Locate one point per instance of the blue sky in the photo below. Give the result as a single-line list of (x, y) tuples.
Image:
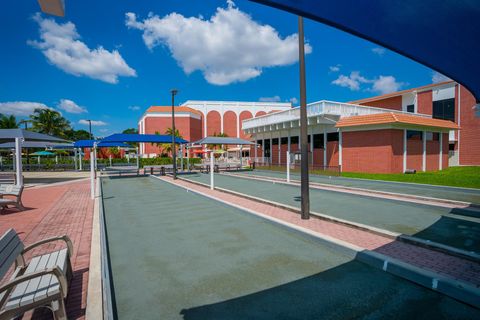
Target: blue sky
[(109, 60)]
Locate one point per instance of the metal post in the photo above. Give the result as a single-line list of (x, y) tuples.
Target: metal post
[(38, 159), (241, 156), (424, 153), (80, 159), (440, 160), (138, 160), (18, 160), (56, 159), (174, 92), (75, 158), (212, 181), (305, 196), (181, 159), (404, 150), (188, 158), (110, 159), (92, 173), (288, 166)]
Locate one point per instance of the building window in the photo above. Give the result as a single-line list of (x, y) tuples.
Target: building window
[(451, 147), (414, 135), (275, 141), (411, 108), (318, 141), (332, 136), (433, 136), (284, 140), (444, 109), (294, 140), (259, 142)]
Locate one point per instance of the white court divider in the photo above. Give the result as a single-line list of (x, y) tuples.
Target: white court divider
[(288, 166), (212, 179)]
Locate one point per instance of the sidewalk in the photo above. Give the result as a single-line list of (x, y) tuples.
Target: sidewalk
[(447, 265), (57, 210)]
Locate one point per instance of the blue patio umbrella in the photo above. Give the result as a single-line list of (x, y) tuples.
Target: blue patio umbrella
[(43, 153)]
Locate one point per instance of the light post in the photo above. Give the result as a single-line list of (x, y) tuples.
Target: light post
[(174, 156), (304, 188), (90, 128)]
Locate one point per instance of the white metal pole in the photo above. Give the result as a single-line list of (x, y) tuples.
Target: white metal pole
[(138, 160), (324, 147), (424, 153), (110, 159), (38, 159), (340, 149), (56, 159), (404, 150), (75, 158), (92, 172), (440, 154), (212, 182), (18, 160), (288, 166), (241, 156), (80, 165), (188, 158), (181, 158), (95, 157)]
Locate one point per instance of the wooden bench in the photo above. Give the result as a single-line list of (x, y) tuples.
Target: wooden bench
[(43, 282), (14, 191)]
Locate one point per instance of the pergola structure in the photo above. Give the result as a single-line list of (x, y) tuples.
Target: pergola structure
[(220, 141), (19, 137)]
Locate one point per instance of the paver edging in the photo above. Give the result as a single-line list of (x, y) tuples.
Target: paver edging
[(456, 289), (378, 231)]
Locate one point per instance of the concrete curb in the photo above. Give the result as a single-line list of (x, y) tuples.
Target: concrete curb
[(94, 291), (453, 288), (382, 232), (446, 203)]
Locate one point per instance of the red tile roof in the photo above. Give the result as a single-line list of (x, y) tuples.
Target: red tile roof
[(169, 109), (390, 118)]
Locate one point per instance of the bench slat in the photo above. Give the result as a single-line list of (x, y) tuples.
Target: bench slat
[(33, 284), (18, 292), (10, 247), (47, 279), (62, 263)]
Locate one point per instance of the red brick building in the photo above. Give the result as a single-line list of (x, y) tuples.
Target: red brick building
[(411, 129)]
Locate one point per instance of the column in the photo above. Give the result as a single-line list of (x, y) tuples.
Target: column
[(221, 121), (279, 147), (289, 140), (325, 147), (205, 124), (404, 150), (18, 161), (256, 148), (340, 149), (238, 125), (271, 149), (424, 154), (263, 150), (440, 153)]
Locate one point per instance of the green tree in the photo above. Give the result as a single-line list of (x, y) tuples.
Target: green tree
[(75, 135), (8, 122), (130, 131), (167, 147), (50, 122), (215, 146)]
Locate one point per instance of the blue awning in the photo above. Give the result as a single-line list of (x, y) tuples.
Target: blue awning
[(100, 144), (135, 138), (440, 34)]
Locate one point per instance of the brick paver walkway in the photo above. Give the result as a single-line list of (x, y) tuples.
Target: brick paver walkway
[(52, 211), (447, 265)]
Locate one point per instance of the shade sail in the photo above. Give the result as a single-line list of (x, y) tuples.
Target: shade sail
[(9, 135), (441, 34), (135, 138), (222, 140), (100, 144)]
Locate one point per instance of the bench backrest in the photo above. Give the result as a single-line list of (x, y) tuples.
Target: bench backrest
[(8, 178), (10, 248), (11, 189)]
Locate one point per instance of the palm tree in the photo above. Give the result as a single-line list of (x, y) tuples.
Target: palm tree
[(49, 122), (8, 122), (167, 147)]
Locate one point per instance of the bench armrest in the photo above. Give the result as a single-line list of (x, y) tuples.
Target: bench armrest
[(64, 238), (55, 271)]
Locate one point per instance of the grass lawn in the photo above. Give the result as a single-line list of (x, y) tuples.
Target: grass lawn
[(468, 177)]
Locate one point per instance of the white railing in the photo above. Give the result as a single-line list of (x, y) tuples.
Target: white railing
[(317, 109)]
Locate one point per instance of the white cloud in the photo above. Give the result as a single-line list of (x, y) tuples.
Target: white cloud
[(61, 46), (104, 130), (95, 123), (379, 51), (21, 108), (353, 81), (381, 84), (293, 100), (229, 47), (270, 99), (438, 77), (386, 84), (335, 68), (134, 108), (70, 106)]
